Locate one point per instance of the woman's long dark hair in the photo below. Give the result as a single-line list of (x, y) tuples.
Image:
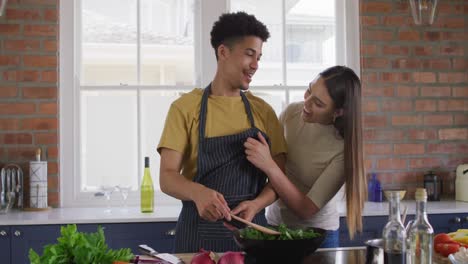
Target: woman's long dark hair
[(344, 88)]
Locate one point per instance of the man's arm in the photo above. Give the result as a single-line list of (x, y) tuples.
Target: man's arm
[(210, 204)]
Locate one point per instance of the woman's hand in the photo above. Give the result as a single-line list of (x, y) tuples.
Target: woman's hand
[(258, 153), (246, 210)]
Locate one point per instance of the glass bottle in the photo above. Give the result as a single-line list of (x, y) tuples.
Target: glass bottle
[(420, 233), (394, 234), (147, 190)]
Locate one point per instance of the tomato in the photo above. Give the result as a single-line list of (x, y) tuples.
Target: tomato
[(446, 249), (442, 238)]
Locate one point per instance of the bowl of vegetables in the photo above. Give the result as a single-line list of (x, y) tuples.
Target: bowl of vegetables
[(291, 246)]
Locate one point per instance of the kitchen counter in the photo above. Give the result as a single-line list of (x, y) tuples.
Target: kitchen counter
[(171, 213)]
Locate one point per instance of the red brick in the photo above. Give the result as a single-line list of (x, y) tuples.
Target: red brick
[(402, 7), (437, 64), (40, 30), (447, 148), (23, 153), (21, 76), (392, 77), (40, 2), (369, 106), (50, 45), (49, 76), (425, 105), (384, 135), (407, 91), (406, 178), (422, 134), (52, 152), (53, 199), (368, 78), (408, 35), (461, 119), (22, 45), (444, 8), (395, 20), (450, 22), (368, 49), (376, 7), (395, 50), (421, 163), (453, 77), (50, 15), (432, 36), (434, 91), (46, 139), (375, 121), (422, 51), (460, 64), (454, 36), (375, 63), (391, 164), (452, 51), (438, 120), (9, 29), (377, 149), (40, 92), (369, 20), (453, 105), (9, 124), (455, 161), (48, 108), (377, 34), (424, 77), (405, 120), (457, 91), (52, 167), (453, 134), (8, 91), (40, 124), (378, 91), (406, 64), (53, 183), (397, 106), (8, 60), (40, 61), (23, 14), (408, 149), (458, 9), (15, 108), (17, 139), (368, 164)]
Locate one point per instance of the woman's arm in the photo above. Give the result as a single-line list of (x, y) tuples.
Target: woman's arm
[(258, 153)]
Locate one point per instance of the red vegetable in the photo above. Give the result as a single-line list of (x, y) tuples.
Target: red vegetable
[(231, 257), (203, 257), (446, 249)]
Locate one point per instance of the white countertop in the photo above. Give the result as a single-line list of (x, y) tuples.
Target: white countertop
[(171, 213)]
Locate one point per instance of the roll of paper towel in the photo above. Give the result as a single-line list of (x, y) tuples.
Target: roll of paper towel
[(38, 184)]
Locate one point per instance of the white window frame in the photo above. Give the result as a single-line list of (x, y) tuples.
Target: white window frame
[(347, 33)]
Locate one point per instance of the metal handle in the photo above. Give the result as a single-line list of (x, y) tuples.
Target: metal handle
[(17, 233), (457, 220), (466, 219), (3, 233), (170, 232)]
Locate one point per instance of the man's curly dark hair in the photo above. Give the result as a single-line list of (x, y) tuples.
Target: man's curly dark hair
[(231, 27)]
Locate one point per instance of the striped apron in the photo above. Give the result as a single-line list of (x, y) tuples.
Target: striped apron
[(222, 166)]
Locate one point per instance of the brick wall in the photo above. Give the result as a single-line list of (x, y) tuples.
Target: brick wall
[(415, 86), (28, 86)]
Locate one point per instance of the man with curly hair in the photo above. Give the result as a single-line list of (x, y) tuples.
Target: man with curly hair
[(202, 155)]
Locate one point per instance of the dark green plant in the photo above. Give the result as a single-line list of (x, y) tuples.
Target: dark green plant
[(75, 247), (286, 233)]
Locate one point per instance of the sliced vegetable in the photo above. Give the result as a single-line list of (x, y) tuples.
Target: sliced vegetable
[(231, 257), (446, 249)]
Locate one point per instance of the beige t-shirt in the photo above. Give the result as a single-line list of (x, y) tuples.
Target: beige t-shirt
[(225, 116), (315, 165)]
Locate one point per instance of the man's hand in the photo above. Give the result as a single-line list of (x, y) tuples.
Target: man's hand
[(246, 210), (211, 205), (258, 153)]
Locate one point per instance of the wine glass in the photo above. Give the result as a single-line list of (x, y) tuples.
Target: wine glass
[(107, 190), (124, 190)]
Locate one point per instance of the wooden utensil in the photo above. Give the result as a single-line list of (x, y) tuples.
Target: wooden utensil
[(255, 226)]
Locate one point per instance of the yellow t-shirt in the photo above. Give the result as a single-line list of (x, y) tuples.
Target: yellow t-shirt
[(225, 116)]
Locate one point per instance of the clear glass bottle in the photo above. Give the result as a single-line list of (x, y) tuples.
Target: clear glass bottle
[(420, 233), (394, 234), (147, 190)]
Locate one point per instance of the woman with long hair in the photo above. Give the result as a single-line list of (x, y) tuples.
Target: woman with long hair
[(324, 139)]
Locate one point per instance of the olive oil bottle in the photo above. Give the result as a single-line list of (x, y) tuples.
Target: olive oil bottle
[(147, 190)]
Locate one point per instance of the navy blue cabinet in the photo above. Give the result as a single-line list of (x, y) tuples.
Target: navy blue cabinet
[(16, 241)]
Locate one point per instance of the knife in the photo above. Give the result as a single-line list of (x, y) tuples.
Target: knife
[(145, 249)]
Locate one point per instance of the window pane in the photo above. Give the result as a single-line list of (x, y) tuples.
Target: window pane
[(297, 95), (270, 71), (108, 42), (310, 39), (167, 51), (275, 98), (108, 138), (155, 105)]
